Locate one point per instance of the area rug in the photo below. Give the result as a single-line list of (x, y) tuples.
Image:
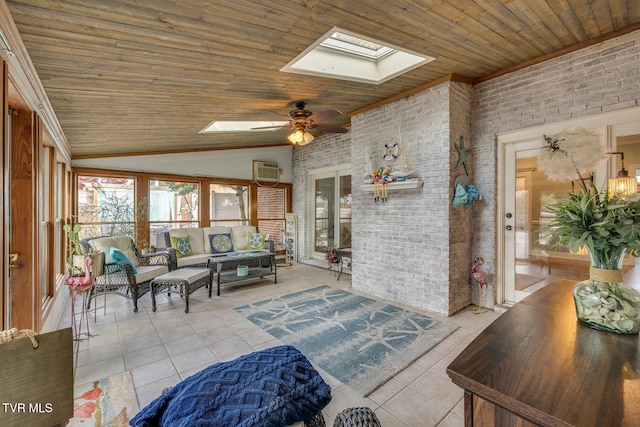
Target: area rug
[(107, 402), (358, 340)]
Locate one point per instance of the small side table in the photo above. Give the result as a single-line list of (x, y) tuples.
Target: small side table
[(344, 253), (183, 280)]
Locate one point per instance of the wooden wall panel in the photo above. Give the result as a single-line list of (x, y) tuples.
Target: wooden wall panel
[(4, 221), (23, 233)]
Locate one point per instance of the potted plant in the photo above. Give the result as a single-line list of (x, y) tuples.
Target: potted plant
[(608, 226), (332, 256), (76, 259)]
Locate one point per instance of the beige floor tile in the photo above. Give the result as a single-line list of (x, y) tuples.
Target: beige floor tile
[(145, 356), (415, 409), (193, 358), (438, 388), (152, 372), (147, 393), (98, 370), (184, 344)]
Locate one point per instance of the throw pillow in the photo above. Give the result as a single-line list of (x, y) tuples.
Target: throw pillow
[(256, 240), (221, 243), (118, 256), (182, 245)]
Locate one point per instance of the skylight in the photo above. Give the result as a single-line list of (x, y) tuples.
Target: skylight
[(242, 126), (345, 55)]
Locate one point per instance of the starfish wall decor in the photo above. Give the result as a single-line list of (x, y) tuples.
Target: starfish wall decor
[(462, 156)]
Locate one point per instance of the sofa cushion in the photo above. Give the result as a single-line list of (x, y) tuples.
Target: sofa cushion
[(256, 240), (119, 256), (148, 272), (182, 245), (196, 238), (195, 259), (221, 243), (123, 243), (240, 235)]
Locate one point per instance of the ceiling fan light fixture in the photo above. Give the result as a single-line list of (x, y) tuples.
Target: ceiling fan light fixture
[(300, 137)]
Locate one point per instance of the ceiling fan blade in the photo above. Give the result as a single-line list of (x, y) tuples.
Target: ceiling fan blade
[(329, 128), (324, 116), (270, 127)]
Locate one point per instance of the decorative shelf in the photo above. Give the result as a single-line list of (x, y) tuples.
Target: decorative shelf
[(398, 185)]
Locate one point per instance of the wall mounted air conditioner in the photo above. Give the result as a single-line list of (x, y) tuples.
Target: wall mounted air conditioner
[(266, 171)]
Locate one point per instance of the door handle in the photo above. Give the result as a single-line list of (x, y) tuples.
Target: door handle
[(13, 260)]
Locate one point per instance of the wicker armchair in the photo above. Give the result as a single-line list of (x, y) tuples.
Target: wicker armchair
[(119, 276)]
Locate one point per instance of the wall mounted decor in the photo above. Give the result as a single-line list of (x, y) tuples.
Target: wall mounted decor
[(462, 156)]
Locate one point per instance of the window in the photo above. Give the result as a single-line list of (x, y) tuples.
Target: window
[(172, 204), (229, 205), (271, 213), (106, 206), (330, 201)]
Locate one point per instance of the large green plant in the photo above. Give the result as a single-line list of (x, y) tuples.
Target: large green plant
[(599, 221)]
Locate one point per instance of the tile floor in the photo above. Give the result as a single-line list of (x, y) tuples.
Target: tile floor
[(162, 348)]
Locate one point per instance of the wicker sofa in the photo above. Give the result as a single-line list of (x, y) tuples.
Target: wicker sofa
[(212, 241), (126, 272)]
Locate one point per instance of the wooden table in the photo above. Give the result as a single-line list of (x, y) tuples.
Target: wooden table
[(536, 365), (261, 263)]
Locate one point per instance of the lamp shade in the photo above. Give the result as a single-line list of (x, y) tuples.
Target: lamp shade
[(623, 185), (300, 137)]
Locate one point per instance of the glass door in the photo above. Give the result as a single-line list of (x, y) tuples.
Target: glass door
[(330, 209)]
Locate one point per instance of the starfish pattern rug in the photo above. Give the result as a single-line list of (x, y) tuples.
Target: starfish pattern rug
[(360, 341)]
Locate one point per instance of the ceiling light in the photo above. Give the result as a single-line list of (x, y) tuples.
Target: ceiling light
[(237, 126), (623, 184), (300, 137)]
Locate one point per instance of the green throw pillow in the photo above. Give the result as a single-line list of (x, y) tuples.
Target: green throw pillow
[(182, 245), (256, 240)]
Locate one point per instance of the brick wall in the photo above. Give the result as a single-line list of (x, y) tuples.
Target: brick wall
[(416, 249), (598, 79)]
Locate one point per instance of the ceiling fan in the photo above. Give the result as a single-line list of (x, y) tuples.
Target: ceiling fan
[(301, 121)]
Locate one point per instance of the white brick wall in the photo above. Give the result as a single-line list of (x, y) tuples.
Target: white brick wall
[(598, 79), (401, 247), (415, 249)]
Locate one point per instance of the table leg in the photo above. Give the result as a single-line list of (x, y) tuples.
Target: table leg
[(275, 269), (186, 290), (219, 267), (153, 296)]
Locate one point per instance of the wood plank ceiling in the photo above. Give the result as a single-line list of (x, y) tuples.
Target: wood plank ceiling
[(131, 76)]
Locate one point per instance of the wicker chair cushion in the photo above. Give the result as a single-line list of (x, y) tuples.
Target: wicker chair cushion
[(240, 235), (123, 243), (148, 272), (269, 388)]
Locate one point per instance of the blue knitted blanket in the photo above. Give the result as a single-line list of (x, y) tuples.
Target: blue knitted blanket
[(269, 388)]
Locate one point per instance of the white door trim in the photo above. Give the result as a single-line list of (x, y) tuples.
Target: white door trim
[(617, 123)]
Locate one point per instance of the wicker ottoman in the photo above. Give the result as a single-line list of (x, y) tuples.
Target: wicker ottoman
[(183, 280)]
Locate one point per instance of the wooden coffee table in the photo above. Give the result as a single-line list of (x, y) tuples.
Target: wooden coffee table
[(261, 263)]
